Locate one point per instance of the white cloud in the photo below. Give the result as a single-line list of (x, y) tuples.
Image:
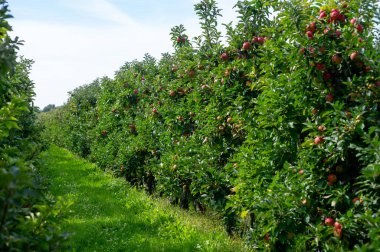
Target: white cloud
[(67, 56), (101, 9)]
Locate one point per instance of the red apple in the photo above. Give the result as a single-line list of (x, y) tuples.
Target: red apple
[(312, 27), (246, 45), (336, 59), (320, 66), (267, 237), (172, 93), (337, 225), (338, 33), (342, 18), (301, 172), (329, 221), (322, 14), (224, 56), (332, 178), (261, 40), (154, 110), (319, 139), (353, 55), (353, 21), (334, 14), (309, 34), (255, 40), (321, 128), (359, 28), (326, 76), (136, 91), (329, 97), (338, 230)]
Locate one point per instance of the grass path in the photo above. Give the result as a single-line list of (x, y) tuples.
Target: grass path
[(107, 215)]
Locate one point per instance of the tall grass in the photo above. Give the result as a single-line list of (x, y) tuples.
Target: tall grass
[(108, 215)]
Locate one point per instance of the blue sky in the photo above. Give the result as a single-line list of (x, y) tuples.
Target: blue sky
[(75, 41)]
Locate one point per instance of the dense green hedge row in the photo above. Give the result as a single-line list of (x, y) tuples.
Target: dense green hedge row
[(26, 217), (278, 131)]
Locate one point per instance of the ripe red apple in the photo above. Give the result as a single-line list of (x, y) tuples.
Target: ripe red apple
[(359, 28), (353, 55), (224, 56), (154, 110), (329, 97), (301, 51), (332, 178), (172, 93), (267, 237), (353, 21), (301, 172), (312, 27), (309, 34), (338, 230), (334, 14), (320, 66), (338, 233), (326, 76), (338, 33), (336, 59), (261, 40), (329, 221), (246, 45), (342, 18), (136, 91), (255, 40), (321, 128), (319, 139), (322, 14), (337, 225), (360, 40)]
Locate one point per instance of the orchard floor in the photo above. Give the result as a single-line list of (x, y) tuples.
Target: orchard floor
[(104, 214)]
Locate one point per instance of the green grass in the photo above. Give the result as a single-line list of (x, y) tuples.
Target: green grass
[(108, 215)]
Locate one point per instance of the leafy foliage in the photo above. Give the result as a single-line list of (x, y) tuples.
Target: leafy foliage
[(26, 217)]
